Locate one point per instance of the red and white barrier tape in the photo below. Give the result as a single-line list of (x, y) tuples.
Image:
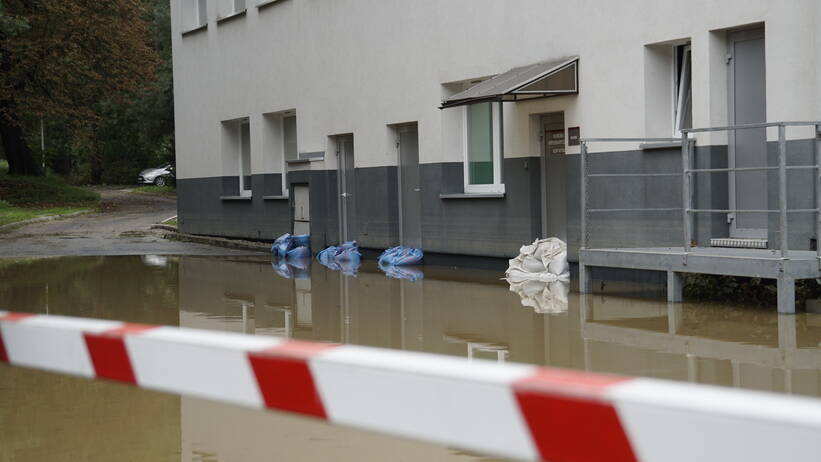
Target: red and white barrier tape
[(515, 411)]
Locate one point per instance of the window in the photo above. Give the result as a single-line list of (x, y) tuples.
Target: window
[(483, 148), (236, 157), (195, 14), (244, 158), (682, 89), (238, 6), (289, 147), (279, 143), (202, 12)]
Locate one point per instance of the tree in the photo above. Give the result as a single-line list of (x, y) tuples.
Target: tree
[(59, 59)]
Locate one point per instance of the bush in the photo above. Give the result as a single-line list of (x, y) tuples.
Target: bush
[(746, 291), (40, 192)]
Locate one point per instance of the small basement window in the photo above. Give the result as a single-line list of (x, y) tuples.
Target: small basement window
[(682, 89), (483, 148)]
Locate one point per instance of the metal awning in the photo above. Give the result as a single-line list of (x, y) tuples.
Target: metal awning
[(538, 80)]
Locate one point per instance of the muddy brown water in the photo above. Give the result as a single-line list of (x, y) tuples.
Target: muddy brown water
[(459, 312)]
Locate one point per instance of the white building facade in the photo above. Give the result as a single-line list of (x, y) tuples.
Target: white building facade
[(326, 116)]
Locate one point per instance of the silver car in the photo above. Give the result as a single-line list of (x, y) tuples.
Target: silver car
[(158, 176)]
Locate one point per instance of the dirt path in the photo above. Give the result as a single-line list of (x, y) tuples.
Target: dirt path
[(122, 228)]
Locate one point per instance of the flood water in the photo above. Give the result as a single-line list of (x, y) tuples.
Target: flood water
[(460, 312)]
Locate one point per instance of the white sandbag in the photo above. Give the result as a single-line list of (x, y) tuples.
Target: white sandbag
[(540, 275), (544, 260)]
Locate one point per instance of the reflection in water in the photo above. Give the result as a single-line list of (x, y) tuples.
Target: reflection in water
[(543, 297), (462, 312), (410, 273)]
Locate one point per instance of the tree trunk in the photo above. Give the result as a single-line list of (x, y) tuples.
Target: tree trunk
[(19, 155)]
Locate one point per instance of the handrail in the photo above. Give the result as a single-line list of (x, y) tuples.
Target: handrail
[(687, 172), (750, 126)]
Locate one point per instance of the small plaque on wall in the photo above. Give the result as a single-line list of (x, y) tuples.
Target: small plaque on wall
[(573, 136), (555, 141)]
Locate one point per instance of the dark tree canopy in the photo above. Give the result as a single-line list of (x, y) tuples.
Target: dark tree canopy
[(60, 59)]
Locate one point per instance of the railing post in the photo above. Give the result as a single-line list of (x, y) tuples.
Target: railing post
[(782, 189), (584, 186), (818, 193), (685, 190)]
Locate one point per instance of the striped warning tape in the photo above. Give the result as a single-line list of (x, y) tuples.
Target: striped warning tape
[(509, 410)]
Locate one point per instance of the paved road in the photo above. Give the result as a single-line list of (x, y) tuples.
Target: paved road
[(122, 228)]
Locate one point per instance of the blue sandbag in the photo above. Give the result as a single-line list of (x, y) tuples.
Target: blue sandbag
[(348, 254), (299, 252), (400, 256), (402, 272), (283, 244), (345, 258), (302, 240), (288, 242), (349, 251), (328, 256)]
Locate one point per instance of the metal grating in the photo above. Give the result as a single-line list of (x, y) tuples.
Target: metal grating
[(737, 243)]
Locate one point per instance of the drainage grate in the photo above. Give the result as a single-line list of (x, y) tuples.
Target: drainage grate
[(739, 243)]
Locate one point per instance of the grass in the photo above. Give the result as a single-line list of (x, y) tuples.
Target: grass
[(151, 190), (25, 197), (170, 222), (10, 214)]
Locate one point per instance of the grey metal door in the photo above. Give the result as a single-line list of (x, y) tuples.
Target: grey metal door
[(347, 187), (554, 176), (302, 210), (747, 92), (410, 228)]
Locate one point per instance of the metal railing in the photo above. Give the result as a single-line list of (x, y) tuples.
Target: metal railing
[(688, 210)]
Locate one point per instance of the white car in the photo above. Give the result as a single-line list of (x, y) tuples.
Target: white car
[(158, 176)]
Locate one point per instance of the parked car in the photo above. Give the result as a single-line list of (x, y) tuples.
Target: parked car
[(159, 176)]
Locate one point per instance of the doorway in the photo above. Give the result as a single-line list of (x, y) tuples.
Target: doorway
[(552, 134), (410, 201), (302, 209), (347, 186), (747, 91)]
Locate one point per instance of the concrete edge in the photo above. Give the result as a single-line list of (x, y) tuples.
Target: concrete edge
[(163, 227), (43, 219), (175, 235)]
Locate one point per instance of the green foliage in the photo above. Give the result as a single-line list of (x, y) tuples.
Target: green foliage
[(744, 291), (43, 192), (10, 214), (107, 108), (168, 191)]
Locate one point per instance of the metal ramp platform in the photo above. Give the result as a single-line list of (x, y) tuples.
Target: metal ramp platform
[(767, 264), (736, 257)]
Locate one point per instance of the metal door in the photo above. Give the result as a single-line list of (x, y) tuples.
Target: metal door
[(410, 201), (347, 183), (302, 210), (747, 148), (554, 182)]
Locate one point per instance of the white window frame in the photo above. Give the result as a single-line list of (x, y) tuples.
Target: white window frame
[(678, 83), (285, 189), (496, 121), (242, 191)]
